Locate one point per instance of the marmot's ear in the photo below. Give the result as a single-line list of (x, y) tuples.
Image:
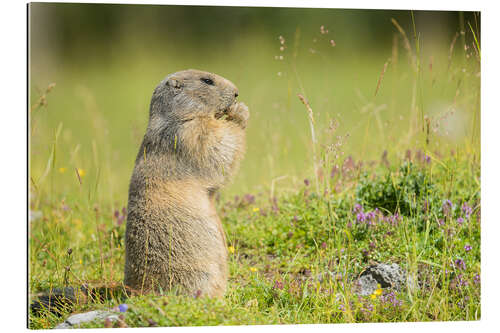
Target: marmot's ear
[(174, 83)]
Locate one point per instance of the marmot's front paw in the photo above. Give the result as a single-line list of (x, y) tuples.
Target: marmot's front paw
[(238, 112)]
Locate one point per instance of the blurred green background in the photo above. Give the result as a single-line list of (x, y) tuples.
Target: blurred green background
[(106, 60)]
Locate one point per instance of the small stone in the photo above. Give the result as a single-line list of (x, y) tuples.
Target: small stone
[(388, 276), (35, 215), (85, 317)]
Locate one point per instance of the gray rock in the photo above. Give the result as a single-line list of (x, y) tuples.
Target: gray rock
[(86, 317), (388, 276), (35, 215)]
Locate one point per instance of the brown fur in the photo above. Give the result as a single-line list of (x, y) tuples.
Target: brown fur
[(192, 146)]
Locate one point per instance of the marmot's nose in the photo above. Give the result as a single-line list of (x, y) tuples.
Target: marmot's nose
[(236, 94)]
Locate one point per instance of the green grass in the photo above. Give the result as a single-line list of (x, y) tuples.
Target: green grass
[(283, 233)]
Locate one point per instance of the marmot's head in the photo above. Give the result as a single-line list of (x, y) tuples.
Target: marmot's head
[(184, 94)]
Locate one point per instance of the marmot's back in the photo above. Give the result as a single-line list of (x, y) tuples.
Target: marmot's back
[(193, 144)]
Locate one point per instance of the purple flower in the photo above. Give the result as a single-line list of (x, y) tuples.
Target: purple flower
[(278, 285), (460, 282), (342, 307), (360, 217), (460, 264), (390, 298), (460, 220), (466, 209), (323, 245), (123, 307), (467, 248), (447, 207), (370, 217), (393, 219), (120, 218), (358, 208), (306, 181), (477, 279), (249, 199)]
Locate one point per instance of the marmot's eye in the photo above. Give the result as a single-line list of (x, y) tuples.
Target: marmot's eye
[(208, 81)]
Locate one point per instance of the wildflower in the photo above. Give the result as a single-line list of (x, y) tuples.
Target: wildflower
[(306, 181), (466, 209), (367, 309), (459, 263), (477, 279), (249, 199), (377, 292), (467, 248), (370, 218), (394, 219), (358, 208), (460, 220), (447, 207), (360, 217), (253, 269), (278, 285), (391, 299), (460, 282), (341, 307), (231, 249), (62, 170), (123, 307), (120, 218), (332, 43), (323, 245), (256, 209), (81, 172)]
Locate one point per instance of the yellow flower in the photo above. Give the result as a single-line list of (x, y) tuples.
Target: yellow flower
[(231, 249), (81, 172), (256, 209), (377, 292), (253, 269), (62, 170)]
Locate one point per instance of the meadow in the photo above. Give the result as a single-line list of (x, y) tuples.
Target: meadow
[(352, 159)]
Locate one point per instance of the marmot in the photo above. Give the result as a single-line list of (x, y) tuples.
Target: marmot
[(193, 144)]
